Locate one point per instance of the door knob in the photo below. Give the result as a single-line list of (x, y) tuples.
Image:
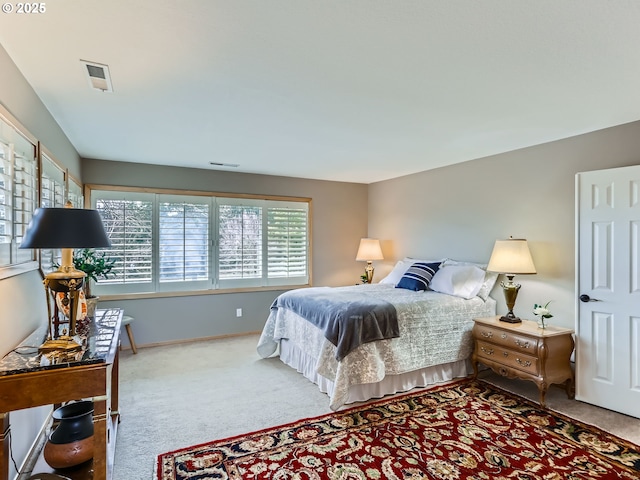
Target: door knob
[(586, 298)]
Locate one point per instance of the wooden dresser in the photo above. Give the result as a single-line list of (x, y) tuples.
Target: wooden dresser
[(522, 350)]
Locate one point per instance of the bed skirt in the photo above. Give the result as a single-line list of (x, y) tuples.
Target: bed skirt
[(291, 355)]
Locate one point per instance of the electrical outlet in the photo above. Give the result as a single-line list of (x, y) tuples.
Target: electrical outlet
[(238, 312)]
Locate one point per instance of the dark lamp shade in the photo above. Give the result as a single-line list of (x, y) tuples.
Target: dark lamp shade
[(65, 228)]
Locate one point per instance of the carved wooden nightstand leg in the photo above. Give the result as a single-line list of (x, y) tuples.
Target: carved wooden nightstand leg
[(570, 387), (543, 393)]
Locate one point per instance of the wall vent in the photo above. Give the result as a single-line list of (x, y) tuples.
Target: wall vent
[(98, 75)]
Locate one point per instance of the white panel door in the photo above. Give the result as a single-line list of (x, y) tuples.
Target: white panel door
[(608, 285)]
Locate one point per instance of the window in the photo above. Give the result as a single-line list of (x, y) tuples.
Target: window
[(128, 222), (52, 188), (18, 189), (240, 239), (74, 193), (52, 183), (183, 247), (167, 242), (287, 241)]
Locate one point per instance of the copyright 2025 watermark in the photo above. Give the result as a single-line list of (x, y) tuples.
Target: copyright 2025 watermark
[(24, 8)]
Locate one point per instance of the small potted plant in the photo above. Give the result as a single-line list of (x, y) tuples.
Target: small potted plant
[(542, 312), (96, 265)]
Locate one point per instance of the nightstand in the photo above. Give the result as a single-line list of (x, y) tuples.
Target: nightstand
[(522, 350)]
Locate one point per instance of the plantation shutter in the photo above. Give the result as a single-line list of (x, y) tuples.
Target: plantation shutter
[(287, 241), (52, 185), (74, 195), (165, 242), (183, 240), (6, 210), (18, 192), (24, 196), (239, 241), (129, 226)]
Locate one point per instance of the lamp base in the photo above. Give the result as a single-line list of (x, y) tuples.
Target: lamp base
[(63, 343), (510, 291), (368, 271), (510, 318)]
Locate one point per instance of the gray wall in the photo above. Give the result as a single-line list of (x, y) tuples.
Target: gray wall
[(339, 216), (459, 211), (22, 301), (23, 103)]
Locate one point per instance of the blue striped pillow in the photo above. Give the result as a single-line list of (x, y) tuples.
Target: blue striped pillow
[(418, 276)]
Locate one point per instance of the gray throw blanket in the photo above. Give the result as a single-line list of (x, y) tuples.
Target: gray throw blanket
[(348, 319)]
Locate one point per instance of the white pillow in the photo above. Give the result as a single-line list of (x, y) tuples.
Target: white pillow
[(459, 280), (412, 260), (396, 274), (489, 277)]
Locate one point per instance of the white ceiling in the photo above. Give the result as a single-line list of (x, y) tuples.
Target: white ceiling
[(357, 90)]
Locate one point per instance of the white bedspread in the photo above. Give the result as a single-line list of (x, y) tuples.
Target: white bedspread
[(434, 329)]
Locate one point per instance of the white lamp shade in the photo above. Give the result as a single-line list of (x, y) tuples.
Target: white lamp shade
[(511, 256), (369, 250)]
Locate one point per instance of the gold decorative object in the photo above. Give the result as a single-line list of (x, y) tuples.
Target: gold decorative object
[(66, 228)]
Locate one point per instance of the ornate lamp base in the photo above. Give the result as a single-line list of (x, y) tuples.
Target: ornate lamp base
[(510, 290), (368, 270), (64, 343)]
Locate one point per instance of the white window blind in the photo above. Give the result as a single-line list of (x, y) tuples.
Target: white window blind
[(74, 194), (52, 186), (240, 241), (287, 241), (6, 211), (24, 199), (183, 240), (128, 223), (196, 242), (18, 193)]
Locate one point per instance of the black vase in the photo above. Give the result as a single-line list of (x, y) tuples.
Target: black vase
[(71, 443)]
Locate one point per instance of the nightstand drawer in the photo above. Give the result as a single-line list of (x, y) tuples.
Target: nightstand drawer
[(508, 339), (508, 357)]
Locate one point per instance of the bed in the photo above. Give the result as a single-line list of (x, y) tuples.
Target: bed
[(432, 343)]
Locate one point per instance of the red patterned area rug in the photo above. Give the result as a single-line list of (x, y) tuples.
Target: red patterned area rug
[(464, 430)]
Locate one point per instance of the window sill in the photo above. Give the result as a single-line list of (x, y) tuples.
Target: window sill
[(141, 296)]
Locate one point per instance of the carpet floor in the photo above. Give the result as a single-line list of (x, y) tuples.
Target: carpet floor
[(467, 429), (179, 395)]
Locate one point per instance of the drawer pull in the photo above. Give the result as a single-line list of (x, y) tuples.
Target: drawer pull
[(487, 334), (506, 354), (504, 335), (525, 363), (488, 351), (522, 344)]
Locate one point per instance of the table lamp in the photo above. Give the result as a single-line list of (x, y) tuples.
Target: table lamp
[(368, 251), (511, 257), (66, 228)]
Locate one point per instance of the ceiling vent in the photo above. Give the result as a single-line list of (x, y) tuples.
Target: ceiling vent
[(219, 164), (98, 74)]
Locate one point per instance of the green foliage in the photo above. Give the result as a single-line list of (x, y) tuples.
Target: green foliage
[(95, 264)]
